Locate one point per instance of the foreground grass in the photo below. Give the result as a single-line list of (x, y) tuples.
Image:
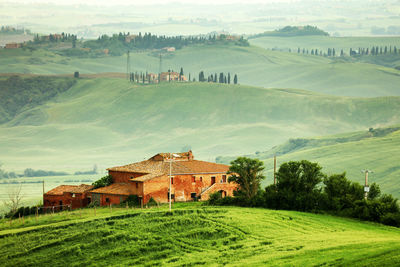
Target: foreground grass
[(198, 235)]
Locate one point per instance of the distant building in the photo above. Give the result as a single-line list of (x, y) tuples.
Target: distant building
[(169, 49), (67, 196), (12, 46), (54, 36), (172, 76), (129, 38)]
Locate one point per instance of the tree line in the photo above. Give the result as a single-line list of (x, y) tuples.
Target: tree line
[(302, 186), (29, 172), (360, 51), (215, 78), (119, 43), (54, 38)]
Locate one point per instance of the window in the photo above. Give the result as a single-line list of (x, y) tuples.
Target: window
[(201, 179), (172, 180), (193, 195), (224, 178), (193, 179), (73, 195), (107, 200), (137, 185)]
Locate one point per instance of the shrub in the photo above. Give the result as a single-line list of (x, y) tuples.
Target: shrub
[(214, 198), (392, 219), (132, 200), (152, 202)]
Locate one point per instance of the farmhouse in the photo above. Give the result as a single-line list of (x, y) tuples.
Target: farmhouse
[(12, 46), (169, 49), (191, 179), (73, 196), (172, 76)]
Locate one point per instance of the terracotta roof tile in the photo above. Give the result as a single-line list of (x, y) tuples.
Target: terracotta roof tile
[(59, 190), (115, 189)]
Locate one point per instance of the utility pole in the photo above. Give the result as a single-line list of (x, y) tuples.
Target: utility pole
[(366, 187), (170, 174), (274, 169), (128, 66), (160, 69)]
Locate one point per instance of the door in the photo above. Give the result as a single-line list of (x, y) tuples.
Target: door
[(212, 180)]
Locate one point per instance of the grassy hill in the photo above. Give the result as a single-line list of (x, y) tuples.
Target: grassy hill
[(195, 235), (110, 121), (254, 66), (376, 150), (324, 42)]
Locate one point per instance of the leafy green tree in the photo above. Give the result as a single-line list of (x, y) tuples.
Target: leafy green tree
[(340, 193), (102, 182), (248, 174), (297, 185), (374, 191)]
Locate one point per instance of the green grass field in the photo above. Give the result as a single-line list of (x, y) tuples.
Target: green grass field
[(350, 153), (111, 122), (196, 235), (254, 66)]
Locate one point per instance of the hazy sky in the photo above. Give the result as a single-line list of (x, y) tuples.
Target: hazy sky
[(146, 2)]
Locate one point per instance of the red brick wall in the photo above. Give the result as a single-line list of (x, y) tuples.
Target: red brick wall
[(79, 201), (183, 186), (227, 189), (113, 199), (123, 177)]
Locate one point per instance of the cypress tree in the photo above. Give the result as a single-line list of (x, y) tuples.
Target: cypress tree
[(221, 77), (181, 74), (235, 79), (229, 78)]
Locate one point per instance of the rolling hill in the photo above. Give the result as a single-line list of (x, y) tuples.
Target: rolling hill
[(254, 65), (376, 150), (195, 235), (110, 121)]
